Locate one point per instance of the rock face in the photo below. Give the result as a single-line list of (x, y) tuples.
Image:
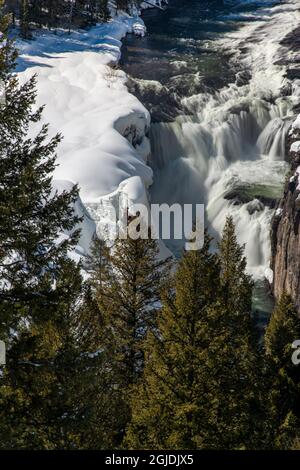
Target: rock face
[(286, 226)]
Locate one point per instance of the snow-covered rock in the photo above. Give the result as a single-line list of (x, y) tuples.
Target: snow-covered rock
[(298, 178), (296, 123), (153, 3), (295, 147), (295, 128), (86, 100), (269, 275), (87, 226)]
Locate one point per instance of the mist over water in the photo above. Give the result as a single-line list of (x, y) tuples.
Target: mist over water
[(224, 67)]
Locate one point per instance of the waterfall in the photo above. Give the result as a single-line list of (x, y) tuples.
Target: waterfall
[(228, 149), (223, 71), (228, 154)]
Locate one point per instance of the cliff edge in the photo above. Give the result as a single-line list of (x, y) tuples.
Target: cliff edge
[(286, 226)]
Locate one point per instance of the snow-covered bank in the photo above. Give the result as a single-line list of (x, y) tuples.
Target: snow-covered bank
[(103, 125)]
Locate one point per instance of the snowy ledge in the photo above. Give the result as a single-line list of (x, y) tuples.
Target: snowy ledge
[(86, 100)]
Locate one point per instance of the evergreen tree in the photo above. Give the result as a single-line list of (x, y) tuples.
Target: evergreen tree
[(12, 6), (58, 13), (24, 20), (126, 283), (284, 376), (236, 411), (236, 283), (53, 390), (200, 387), (31, 215), (58, 392), (170, 403)]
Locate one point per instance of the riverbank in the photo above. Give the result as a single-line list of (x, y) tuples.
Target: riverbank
[(104, 127)]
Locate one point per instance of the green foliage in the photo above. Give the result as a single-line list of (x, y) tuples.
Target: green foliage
[(200, 389), (24, 19), (236, 284), (57, 13), (126, 283), (167, 401), (54, 389), (284, 376)]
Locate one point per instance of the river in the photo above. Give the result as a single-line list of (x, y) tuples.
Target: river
[(213, 74)]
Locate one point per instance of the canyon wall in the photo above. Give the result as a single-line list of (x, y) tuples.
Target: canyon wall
[(286, 226)]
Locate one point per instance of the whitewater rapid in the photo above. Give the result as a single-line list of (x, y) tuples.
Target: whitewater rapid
[(228, 150)]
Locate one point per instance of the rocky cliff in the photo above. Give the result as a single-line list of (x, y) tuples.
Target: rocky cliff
[(286, 226)]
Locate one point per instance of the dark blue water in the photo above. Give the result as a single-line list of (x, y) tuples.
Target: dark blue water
[(185, 32)]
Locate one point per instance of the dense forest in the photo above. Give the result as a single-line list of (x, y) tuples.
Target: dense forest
[(143, 353), (61, 13)]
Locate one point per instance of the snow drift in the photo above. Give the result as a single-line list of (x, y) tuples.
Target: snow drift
[(104, 127)]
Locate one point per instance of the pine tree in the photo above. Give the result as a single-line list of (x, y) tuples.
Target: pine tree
[(236, 283), (126, 282), (53, 388), (65, 13), (32, 384), (236, 412), (8, 53), (24, 20), (31, 219), (100, 10), (284, 376), (31, 216), (169, 403), (58, 392), (96, 394), (128, 291), (200, 387), (57, 13)]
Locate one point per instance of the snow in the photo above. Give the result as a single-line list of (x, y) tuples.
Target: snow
[(298, 178), (295, 147), (269, 275), (88, 226), (296, 123), (153, 3), (107, 212), (103, 125)]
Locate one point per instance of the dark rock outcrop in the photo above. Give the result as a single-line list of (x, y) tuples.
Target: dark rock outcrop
[(286, 231), (153, 94)]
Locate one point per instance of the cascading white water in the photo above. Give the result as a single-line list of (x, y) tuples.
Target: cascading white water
[(240, 156), (228, 153)]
